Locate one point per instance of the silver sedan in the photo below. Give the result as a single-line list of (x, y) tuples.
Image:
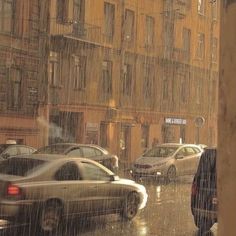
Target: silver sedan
[(167, 160)]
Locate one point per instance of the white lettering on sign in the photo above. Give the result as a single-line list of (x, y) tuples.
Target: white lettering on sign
[(176, 121), (92, 126)]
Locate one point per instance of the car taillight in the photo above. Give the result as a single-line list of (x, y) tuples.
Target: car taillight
[(194, 189), (13, 190)]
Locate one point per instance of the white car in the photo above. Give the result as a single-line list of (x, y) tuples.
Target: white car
[(167, 160)]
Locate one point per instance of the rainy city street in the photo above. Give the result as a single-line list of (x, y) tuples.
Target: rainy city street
[(167, 214)]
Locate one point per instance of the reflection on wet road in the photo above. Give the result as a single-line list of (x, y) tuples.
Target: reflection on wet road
[(167, 214)]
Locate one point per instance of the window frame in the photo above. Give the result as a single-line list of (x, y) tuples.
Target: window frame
[(201, 7), (127, 79), (109, 21), (4, 18), (150, 31), (62, 11), (201, 47)]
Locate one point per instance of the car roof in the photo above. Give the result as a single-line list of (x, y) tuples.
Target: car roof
[(75, 144), (178, 144), (50, 157)]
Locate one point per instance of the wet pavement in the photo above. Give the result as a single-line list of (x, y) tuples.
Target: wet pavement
[(167, 214)]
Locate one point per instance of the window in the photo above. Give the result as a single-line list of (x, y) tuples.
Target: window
[(11, 151), (186, 42), (88, 151), (79, 72), (109, 24), (15, 91), (198, 91), (54, 75), (165, 89), (201, 7), (6, 16), (144, 136), (75, 152), (149, 37), (25, 150), (93, 172), (183, 92), (129, 25), (62, 11), (189, 151), (214, 9), (127, 80), (103, 134), (106, 78), (200, 53), (68, 171), (148, 80), (20, 166), (78, 17), (214, 49)]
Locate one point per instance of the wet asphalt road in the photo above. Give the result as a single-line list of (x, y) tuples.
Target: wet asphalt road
[(167, 214)]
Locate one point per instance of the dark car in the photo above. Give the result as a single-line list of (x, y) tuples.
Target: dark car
[(93, 152), (203, 196), (9, 150), (47, 189)]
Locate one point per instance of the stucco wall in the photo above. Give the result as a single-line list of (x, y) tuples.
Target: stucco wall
[(227, 122)]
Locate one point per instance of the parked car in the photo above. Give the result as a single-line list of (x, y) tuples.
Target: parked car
[(90, 151), (47, 188), (167, 160), (203, 196), (9, 150)]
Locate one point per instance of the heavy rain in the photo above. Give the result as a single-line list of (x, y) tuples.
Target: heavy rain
[(112, 113)]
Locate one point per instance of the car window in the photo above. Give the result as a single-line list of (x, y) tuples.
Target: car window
[(197, 150), (182, 152), (25, 150), (207, 168), (93, 172), (53, 149), (75, 152), (3, 147), (160, 152), (11, 151), (189, 151), (98, 152), (68, 171), (19, 166), (88, 151)]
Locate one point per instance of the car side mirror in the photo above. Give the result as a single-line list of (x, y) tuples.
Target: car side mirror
[(114, 177), (179, 156)]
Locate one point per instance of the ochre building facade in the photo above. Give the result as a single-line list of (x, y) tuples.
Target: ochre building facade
[(119, 73)]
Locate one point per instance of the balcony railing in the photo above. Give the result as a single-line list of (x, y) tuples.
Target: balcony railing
[(78, 30), (175, 54)]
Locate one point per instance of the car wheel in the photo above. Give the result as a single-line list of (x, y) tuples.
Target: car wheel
[(171, 174), (50, 217), (130, 208), (204, 224)]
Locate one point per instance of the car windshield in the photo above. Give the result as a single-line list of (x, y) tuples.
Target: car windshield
[(20, 166), (53, 149), (160, 152)]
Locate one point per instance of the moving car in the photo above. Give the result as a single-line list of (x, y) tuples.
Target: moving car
[(90, 151), (9, 150), (48, 188), (167, 160), (203, 196)]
